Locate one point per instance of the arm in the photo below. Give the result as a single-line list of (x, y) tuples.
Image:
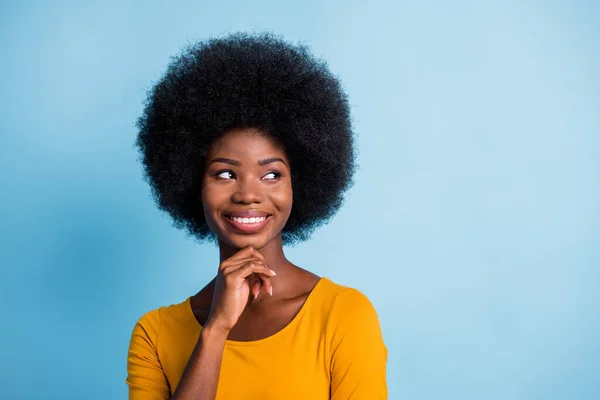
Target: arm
[(232, 289), (201, 375), (358, 353), (145, 375)]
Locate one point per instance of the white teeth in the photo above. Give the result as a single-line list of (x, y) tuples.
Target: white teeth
[(252, 220)]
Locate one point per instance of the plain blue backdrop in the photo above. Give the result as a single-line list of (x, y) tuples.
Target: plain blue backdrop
[(474, 225)]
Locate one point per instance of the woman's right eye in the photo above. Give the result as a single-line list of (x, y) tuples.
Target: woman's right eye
[(224, 175)]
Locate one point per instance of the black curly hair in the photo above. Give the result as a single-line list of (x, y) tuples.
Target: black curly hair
[(248, 81)]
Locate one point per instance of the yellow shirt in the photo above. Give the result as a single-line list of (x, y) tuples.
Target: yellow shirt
[(332, 349)]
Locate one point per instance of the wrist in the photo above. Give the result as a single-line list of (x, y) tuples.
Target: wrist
[(214, 333)]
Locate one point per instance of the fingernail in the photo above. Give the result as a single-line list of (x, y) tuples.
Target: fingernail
[(271, 291), (273, 272), (256, 295)]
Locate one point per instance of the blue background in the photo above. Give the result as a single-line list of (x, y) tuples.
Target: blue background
[(474, 225)]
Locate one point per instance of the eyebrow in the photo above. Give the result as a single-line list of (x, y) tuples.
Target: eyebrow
[(271, 160), (237, 163)]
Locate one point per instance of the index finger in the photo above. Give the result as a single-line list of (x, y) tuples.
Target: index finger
[(246, 252)]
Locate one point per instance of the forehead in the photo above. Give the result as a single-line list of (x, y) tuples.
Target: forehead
[(246, 144)]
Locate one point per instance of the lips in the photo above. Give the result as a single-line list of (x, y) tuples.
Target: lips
[(250, 221)]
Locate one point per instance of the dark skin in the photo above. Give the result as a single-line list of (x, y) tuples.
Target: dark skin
[(247, 170)]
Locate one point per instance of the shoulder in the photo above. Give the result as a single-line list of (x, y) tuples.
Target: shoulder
[(152, 322), (349, 313), (352, 318), (346, 301), (148, 325)]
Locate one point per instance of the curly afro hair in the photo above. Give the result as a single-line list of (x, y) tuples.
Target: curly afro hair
[(248, 81)]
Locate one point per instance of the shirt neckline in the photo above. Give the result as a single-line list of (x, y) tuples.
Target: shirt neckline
[(290, 325)]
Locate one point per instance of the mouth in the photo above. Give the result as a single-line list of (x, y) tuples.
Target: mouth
[(248, 225)]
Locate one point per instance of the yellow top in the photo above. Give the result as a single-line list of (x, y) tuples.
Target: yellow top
[(332, 349)]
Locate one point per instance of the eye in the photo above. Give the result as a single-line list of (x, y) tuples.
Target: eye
[(227, 174), (272, 175)]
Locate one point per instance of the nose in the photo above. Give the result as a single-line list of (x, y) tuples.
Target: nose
[(247, 192)]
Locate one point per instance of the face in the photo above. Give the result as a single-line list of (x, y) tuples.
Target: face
[(246, 189)]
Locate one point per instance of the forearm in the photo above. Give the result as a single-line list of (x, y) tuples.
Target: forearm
[(201, 375)]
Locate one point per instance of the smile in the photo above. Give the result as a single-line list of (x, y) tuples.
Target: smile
[(252, 220), (248, 225)]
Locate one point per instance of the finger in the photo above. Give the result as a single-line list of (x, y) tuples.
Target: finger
[(259, 270), (255, 253), (241, 255), (266, 283), (234, 266), (267, 286), (256, 286), (238, 262), (246, 252), (234, 275), (249, 269)]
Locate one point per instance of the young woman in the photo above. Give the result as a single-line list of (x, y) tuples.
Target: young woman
[(246, 141)]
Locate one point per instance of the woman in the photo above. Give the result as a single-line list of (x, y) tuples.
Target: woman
[(247, 141)]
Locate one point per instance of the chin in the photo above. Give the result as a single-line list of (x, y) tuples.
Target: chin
[(241, 241)]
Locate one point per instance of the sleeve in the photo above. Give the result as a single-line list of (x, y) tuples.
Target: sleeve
[(145, 376), (358, 353)]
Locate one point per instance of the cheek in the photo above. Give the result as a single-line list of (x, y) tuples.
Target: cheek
[(210, 203), (283, 198), (211, 198)]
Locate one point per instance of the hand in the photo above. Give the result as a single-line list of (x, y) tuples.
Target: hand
[(242, 273)]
